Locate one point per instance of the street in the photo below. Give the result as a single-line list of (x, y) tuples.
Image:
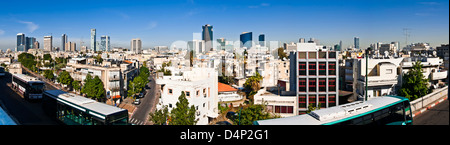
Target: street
[(148, 104), (25, 112), (438, 115)]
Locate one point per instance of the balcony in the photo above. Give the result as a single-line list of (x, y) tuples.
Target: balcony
[(438, 75), (380, 80)]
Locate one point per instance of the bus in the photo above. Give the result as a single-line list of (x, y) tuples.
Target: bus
[(2, 71), (386, 110), (29, 87), (72, 109)]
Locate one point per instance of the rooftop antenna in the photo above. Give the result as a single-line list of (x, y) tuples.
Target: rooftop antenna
[(406, 33)]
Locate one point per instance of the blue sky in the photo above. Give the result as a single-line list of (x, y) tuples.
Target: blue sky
[(165, 21)]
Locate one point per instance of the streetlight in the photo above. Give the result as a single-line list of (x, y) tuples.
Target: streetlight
[(367, 62)]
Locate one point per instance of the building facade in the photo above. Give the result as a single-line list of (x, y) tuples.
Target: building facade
[(20, 42), (105, 43), (136, 45), (48, 46), (314, 76), (93, 40)]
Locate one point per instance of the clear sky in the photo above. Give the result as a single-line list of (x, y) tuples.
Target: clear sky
[(162, 22)]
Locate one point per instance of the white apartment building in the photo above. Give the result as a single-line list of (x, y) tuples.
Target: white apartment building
[(136, 46), (48, 46), (383, 76), (200, 87)]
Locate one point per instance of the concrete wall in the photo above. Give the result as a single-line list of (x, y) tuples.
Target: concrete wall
[(423, 102)]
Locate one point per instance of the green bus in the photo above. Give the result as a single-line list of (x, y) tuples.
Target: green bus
[(386, 110), (72, 109)]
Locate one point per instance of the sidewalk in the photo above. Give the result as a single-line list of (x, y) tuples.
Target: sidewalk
[(128, 104)]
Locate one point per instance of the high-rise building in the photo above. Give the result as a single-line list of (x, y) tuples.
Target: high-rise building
[(20, 42), (63, 42), (71, 46), (136, 45), (246, 39), (29, 42), (262, 40), (36, 45), (340, 46), (48, 40), (93, 40), (301, 40), (207, 36), (314, 76), (356, 39), (105, 44)]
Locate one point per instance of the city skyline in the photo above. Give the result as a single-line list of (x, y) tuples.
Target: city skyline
[(162, 23)]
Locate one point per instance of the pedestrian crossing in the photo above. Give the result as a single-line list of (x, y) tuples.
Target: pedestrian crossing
[(137, 122)]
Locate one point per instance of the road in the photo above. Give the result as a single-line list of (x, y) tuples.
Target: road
[(438, 115), (148, 104), (25, 112)]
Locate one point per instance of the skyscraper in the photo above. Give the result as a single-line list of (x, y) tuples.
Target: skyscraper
[(93, 40), (261, 39), (356, 39), (63, 42), (20, 42), (105, 43), (29, 42), (48, 43), (136, 45), (207, 36), (246, 39), (340, 46)]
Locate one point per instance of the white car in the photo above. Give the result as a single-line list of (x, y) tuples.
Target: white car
[(137, 102)]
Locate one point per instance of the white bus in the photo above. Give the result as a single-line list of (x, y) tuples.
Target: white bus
[(386, 110), (72, 109), (29, 87)]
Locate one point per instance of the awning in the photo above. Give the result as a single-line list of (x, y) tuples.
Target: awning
[(116, 97)]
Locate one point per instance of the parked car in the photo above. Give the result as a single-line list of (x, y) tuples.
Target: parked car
[(137, 102), (141, 95)]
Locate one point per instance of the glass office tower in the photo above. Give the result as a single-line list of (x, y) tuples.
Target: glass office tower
[(21, 42), (246, 39), (207, 36)]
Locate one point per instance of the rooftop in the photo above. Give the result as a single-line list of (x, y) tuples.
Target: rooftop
[(225, 88)]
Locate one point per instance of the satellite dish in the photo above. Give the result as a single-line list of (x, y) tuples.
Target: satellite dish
[(434, 53)]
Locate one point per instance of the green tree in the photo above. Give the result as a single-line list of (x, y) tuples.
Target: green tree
[(48, 57), (76, 85), (94, 88), (182, 114), (159, 117), (28, 61), (312, 107), (49, 74), (131, 89), (250, 113), (414, 84), (65, 78), (253, 84), (281, 53)]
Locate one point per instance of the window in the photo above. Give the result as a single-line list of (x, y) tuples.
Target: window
[(302, 85), (170, 91), (284, 109), (197, 93), (312, 85), (312, 100), (323, 101), (312, 68), (322, 84), (388, 71), (301, 55), (332, 68), (322, 55), (322, 68), (188, 94), (301, 101), (331, 54), (331, 100), (312, 55), (302, 68), (332, 85)]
